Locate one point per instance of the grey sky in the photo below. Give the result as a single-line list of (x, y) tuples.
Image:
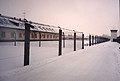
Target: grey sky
[(89, 16)]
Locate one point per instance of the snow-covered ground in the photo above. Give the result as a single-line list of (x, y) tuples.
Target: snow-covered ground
[(12, 57), (96, 63)]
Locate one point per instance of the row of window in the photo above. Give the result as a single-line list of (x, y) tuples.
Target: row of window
[(13, 34), (49, 36), (33, 35)]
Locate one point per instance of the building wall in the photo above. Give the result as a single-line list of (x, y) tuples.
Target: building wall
[(11, 34)]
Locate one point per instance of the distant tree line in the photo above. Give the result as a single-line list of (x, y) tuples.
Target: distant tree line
[(101, 39), (117, 40)]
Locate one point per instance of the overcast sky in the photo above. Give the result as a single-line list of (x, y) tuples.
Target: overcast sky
[(88, 16)]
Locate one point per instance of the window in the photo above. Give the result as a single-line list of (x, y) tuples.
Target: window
[(20, 35), (40, 27), (50, 36), (35, 35), (12, 34), (47, 29), (2, 34), (56, 36), (32, 35), (53, 36), (47, 36), (44, 28), (52, 29), (43, 35)]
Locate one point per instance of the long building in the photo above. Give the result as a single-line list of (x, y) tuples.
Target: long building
[(13, 29)]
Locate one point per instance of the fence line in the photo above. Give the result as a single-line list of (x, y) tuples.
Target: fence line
[(62, 35)]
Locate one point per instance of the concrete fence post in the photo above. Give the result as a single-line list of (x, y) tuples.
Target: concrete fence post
[(39, 39), (82, 41), (92, 40), (95, 39), (15, 39), (27, 44), (60, 42), (89, 40), (63, 40), (74, 41)]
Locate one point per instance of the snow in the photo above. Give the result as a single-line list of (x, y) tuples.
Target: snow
[(95, 63), (12, 57), (6, 22)]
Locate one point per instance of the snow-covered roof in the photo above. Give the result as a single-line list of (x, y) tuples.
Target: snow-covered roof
[(10, 22)]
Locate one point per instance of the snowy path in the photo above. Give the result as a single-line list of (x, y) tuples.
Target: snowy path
[(95, 63)]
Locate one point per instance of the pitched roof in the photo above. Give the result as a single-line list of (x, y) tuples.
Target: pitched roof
[(19, 24)]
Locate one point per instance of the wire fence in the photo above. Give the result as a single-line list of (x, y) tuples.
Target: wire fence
[(36, 45)]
